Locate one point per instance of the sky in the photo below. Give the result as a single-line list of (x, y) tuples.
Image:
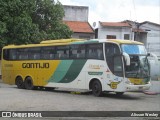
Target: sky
[(119, 10)]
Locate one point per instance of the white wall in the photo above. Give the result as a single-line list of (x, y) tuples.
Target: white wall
[(83, 35), (155, 69), (155, 76), (118, 32), (153, 38), (76, 13)]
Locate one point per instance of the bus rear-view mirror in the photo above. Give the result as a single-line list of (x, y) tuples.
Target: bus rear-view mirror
[(126, 58)]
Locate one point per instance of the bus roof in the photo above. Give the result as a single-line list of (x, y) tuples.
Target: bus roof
[(124, 41), (73, 41)]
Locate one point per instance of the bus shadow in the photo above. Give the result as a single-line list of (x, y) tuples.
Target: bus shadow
[(125, 96)]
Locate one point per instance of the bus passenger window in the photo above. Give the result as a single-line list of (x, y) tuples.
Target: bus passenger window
[(95, 51), (77, 51), (34, 53), (73, 51), (13, 54), (6, 54), (81, 52), (62, 52), (48, 53), (22, 54)]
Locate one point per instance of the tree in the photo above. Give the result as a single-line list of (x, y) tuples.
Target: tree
[(48, 15), (30, 21)]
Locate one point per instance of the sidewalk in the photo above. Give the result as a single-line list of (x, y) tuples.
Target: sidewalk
[(155, 87)]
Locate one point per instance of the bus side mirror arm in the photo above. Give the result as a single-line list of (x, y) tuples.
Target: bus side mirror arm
[(127, 59)]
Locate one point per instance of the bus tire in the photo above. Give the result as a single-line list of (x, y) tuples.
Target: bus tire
[(97, 88), (19, 82), (29, 83)]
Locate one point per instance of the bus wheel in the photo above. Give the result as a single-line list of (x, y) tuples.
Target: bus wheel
[(119, 93), (29, 83), (20, 83), (96, 88)]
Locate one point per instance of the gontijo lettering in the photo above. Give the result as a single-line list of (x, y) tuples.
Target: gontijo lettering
[(35, 65)]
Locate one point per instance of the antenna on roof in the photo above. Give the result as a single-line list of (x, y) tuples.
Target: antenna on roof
[(94, 24)]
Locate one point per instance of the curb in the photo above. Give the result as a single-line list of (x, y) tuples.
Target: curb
[(150, 93)]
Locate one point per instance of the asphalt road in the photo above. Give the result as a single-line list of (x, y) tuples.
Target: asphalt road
[(14, 99)]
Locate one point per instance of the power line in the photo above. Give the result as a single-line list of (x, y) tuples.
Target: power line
[(134, 7)]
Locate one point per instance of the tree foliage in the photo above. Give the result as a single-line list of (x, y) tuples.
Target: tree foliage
[(30, 21)]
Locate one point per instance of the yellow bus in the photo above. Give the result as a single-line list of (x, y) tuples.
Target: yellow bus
[(97, 65)]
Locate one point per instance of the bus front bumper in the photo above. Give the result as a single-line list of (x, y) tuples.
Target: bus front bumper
[(138, 87)]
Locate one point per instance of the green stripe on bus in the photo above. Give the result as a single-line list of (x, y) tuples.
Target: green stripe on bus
[(61, 71), (73, 71)]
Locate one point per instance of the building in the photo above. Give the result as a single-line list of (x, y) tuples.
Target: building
[(145, 32), (148, 33), (153, 46), (138, 33), (114, 30), (121, 30), (76, 17), (153, 36), (81, 30)]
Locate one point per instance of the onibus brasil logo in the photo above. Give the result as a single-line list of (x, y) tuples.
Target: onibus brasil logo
[(21, 114)]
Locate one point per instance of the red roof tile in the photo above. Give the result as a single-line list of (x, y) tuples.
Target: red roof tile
[(115, 24), (80, 27)]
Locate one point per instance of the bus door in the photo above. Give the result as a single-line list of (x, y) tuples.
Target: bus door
[(115, 65)]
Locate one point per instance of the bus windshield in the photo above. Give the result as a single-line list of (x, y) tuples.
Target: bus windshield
[(139, 65), (133, 49)]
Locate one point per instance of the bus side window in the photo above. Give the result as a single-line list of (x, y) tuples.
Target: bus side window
[(62, 52), (73, 51), (6, 54), (22, 54), (81, 52), (34, 53), (12, 54), (81, 55), (100, 54), (48, 53), (77, 51), (95, 51)]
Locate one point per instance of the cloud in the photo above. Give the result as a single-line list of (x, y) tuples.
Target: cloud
[(148, 13), (119, 10), (153, 3)]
